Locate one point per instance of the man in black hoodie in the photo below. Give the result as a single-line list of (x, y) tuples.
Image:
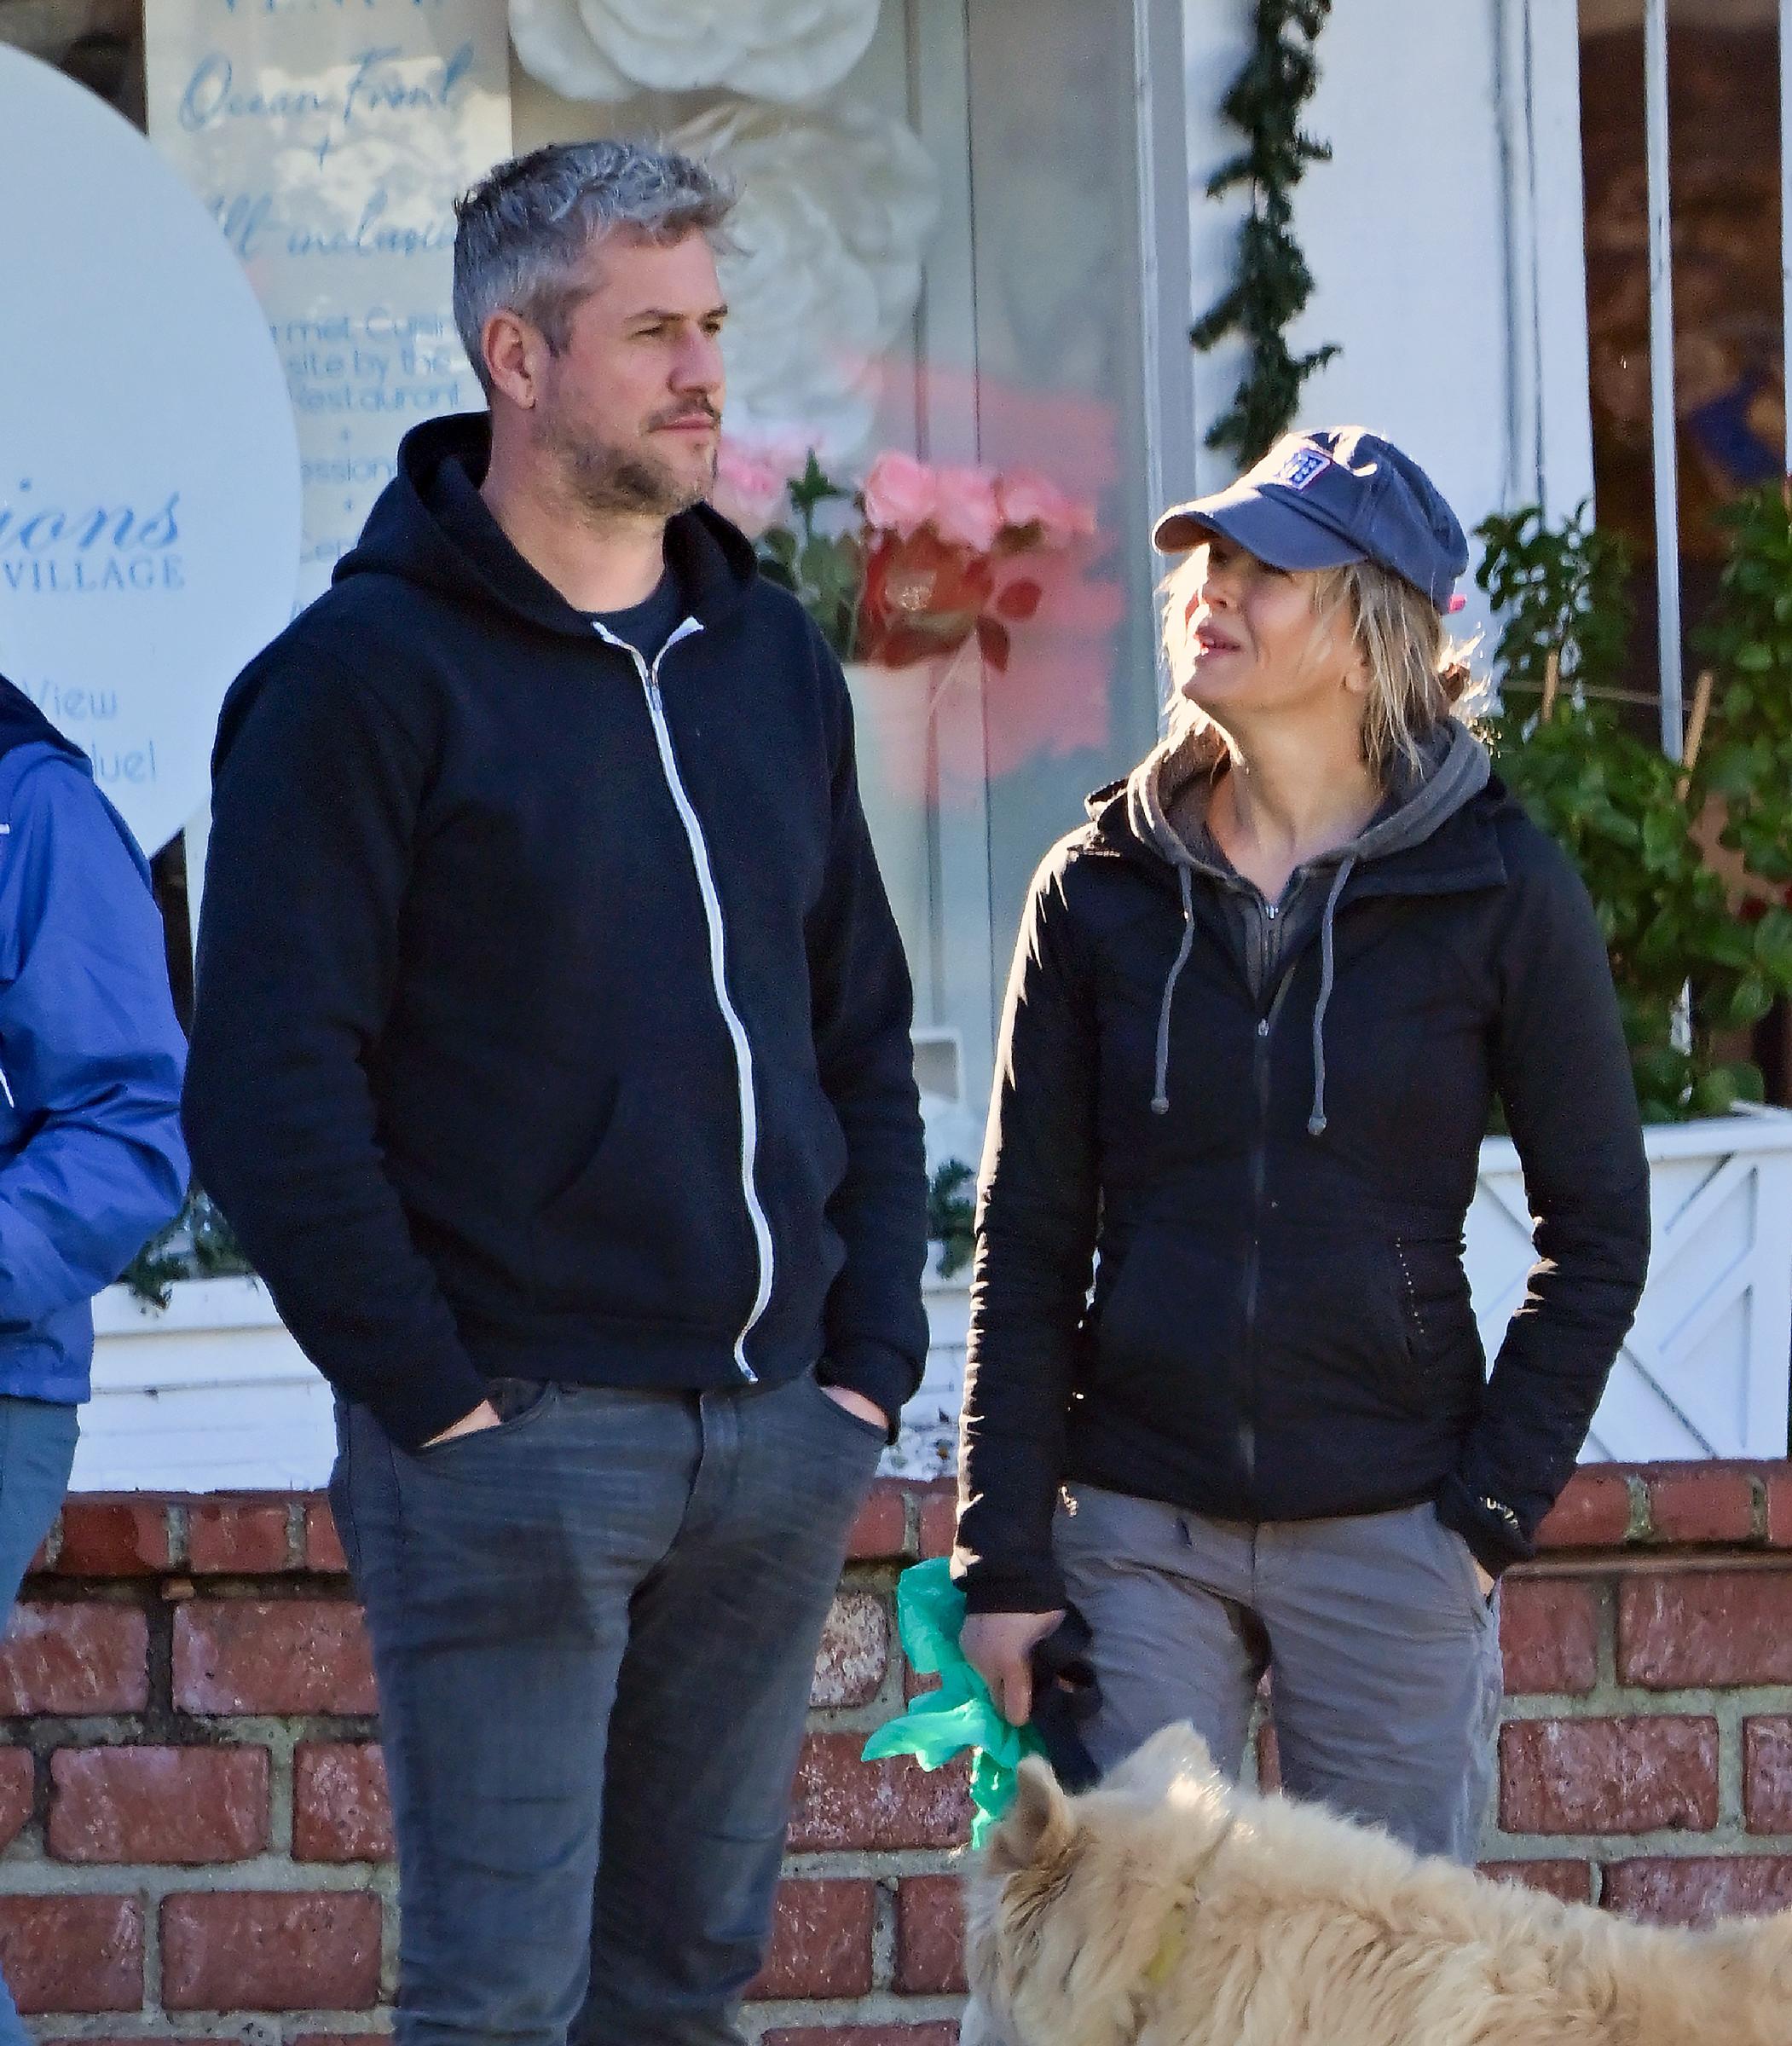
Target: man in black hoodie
[(552, 1062)]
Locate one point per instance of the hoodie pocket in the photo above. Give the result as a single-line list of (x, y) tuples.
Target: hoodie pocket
[(1167, 1336), (1337, 1334), (650, 1227)]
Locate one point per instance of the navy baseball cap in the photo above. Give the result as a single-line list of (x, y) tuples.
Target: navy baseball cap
[(1321, 500)]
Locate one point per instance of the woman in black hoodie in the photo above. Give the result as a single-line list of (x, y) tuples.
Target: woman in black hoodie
[(1262, 1005)]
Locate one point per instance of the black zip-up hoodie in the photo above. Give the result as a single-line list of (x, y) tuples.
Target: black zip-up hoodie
[(551, 1018), (1273, 1144)]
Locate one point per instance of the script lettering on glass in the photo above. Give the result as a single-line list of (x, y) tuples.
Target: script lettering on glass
[(329, 139)]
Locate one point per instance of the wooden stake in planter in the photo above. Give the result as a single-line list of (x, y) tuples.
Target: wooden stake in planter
[(1694, 732), (1551, 682)]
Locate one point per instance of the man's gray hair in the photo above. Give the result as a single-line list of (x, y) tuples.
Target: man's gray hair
[(526, 228)]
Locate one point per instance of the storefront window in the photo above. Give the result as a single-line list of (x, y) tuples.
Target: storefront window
[(938, 260), (1728, 397), (958, 233)]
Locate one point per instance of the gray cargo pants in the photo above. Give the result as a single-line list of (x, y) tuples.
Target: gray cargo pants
[(593, 1629), (1385, 1656)]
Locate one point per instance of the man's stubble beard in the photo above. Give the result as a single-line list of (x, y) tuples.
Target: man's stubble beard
[(608, 482)]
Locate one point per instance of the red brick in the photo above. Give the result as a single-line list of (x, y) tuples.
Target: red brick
[(1608, 1775), (114, 1538), (1779, 1506), (938, 1517), (75, 1658), (1570, 1880), (1549, 1632), (880, 1533), (844, 1803), (821, 1939), (340, 1811), (1689, 1891), (1723, 1627), (854, 1652), (930, 1936), (1767, 1774), (287, 1655), (1702, 1502), (1594, 1512), (323, 1545), (256, 1950), (915, 1682), (190, 1805), (944, 2033), (73, 1954), (18, 1788), (240, 1537)]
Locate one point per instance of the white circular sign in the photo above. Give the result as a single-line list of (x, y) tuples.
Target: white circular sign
[(149, 480)]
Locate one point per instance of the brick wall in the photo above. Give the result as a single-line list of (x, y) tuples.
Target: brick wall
[(196, 1844)]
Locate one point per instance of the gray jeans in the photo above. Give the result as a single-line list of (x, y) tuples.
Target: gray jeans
[(593, 1630), (37, 1450), (1385, 1656)]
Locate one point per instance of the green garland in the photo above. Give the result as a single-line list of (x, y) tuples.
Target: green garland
[(1274, 283)]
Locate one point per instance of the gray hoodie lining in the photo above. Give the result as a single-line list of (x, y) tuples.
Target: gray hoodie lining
[(1453, 769)]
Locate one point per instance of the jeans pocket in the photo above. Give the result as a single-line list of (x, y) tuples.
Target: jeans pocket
[(519, 1403), (1482, 1602), (873, 1432)]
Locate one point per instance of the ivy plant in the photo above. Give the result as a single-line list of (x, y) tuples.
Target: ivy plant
[(1273, 284), (1746, 760), (952, 1215), (198, 1244), (1626, 814)]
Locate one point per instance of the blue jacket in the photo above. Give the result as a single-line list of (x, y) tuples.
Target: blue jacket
[(91, 1158)]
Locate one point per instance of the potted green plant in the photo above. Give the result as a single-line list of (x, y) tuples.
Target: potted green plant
[(1686, 863)]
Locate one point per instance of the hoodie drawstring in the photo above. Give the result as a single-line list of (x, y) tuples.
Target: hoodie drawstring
[(1316, 1121), (1160, 1093)]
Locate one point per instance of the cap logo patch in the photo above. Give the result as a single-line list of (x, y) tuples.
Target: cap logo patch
[(1303, 467)]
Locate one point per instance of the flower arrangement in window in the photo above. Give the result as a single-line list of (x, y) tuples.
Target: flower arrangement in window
[(927, 560)]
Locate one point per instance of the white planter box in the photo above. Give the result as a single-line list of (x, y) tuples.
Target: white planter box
[(213, 1395), (209, 1395), (1704, 1372)]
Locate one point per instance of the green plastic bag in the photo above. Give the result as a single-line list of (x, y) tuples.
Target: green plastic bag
[(960, 1714)]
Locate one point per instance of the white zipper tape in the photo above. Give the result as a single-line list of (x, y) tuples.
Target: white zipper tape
[(718, 969)]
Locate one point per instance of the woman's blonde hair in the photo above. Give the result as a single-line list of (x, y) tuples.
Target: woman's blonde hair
[(1417, 673)]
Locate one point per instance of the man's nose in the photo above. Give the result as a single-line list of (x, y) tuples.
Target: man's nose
[(698, 365)]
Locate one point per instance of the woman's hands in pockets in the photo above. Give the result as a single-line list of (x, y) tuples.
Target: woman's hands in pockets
[(998, 1646)]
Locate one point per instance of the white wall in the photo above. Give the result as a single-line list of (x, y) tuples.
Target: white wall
[(1444, 238)]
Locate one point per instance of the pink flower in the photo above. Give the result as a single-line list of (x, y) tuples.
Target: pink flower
[(750, 481), (966, 514), (1030, 500), (899, 494)]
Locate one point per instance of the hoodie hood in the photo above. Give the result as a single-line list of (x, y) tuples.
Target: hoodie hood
[(22, 724), (1453, 768), (430, 526)]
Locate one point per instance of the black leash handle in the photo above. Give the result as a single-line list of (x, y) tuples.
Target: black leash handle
[(1066, 1695)]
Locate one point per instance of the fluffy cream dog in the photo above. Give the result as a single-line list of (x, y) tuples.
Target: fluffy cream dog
[(1168, 1909)]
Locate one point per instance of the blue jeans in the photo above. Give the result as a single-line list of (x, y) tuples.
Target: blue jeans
[(36, 1450), (593, 1629)]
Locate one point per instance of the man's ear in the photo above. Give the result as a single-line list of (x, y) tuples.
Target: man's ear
[(1038, 1826)]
